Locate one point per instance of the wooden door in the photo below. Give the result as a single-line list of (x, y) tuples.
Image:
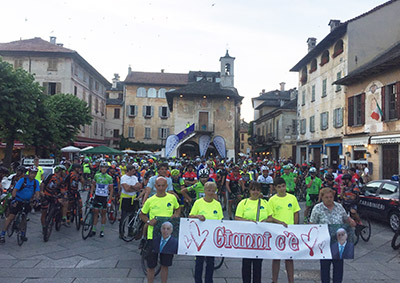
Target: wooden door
[(203, 121), (391, 160)]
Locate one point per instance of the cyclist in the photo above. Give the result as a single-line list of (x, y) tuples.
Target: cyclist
[(112, 171), (190, 176), (234, 186), (73, 186), (313, 184), (20, 172), (330, 183), (246, 178), (221, 180), (22, 193), (86, 169), (102, 187), (54, 187), (290, 179), (150, 188), (123, 167), (204, 177), (178, 183), (266, 181), (39, 175), (350, 196)]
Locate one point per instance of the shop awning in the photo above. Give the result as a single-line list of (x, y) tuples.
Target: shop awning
[(86, 144), (17, 145), (335, 144), (355, 141), (385, 139), (261, 149)]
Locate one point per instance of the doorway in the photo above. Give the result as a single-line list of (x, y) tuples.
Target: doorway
[(303, 155), (391, 158), (334, 156), (317, 157), (203, 121)]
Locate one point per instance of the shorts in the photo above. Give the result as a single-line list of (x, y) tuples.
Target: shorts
[(45, 201), (311, 199), (152, 258), (17, 207), (128, 206), (100, 202)]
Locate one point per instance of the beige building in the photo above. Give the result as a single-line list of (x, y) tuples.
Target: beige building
[(244, 137), (274, 127), (62, 70), (374, 141), (114, 112), (320, 103), (147, 118), (211, 105)]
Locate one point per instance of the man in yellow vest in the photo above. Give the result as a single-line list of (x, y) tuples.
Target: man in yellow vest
[(39, 175)]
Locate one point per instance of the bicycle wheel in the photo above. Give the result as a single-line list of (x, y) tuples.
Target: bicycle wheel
[(128, 233), (87, 225), (143, 261), (365, 232), (48, 226), (10, 229), (58, 220), (218, 262), (357, 234), (396, 240), (22, 227), (111, 213)]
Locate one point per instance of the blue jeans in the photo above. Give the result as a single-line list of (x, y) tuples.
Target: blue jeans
[(326, 270), (198, 272)]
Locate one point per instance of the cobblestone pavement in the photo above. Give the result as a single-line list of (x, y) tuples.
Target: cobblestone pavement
[(67, 258)]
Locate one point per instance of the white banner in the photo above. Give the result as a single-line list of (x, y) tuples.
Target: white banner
[(219, 143), (204, 142), (170, 144), (224, 238)]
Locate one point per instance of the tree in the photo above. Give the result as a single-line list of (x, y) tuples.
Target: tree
[(20, 96), (66, 114)]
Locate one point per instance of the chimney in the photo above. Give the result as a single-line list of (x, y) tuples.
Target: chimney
[(60, 44), (311, 42), (162, 70), (53, 40), (262, 91), (282, 86), (334, 24), (129, 69)]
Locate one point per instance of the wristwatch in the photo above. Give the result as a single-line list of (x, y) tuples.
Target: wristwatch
[(148, 221)]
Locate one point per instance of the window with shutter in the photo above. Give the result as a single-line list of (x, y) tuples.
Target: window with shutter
[(324, 83), (116, 113), (45, 87), (131, 133), (303, 98), (313, 93), (58, 87), (151, 111), (312, 124), (163, 112), (152, 93), (148, 111), (141, 92), (147, 133), (350, 111), (383, 103), (335, 116), (132, 110), (338, 77), (52, 64), (362, 109), (161, 92)]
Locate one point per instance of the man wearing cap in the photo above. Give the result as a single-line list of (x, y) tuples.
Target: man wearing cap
[(290, 179)]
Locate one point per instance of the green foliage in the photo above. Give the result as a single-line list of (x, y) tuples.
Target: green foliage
[(250, 130)]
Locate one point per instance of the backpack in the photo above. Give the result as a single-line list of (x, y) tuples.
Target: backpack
[(24, 184), (47, 180)]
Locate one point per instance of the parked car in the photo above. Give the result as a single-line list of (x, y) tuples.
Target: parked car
[(380, 200)]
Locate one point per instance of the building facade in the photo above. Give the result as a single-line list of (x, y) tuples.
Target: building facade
[(147, 118), (209, 106), (62, 70), (321, 104), (373, 114), (244, 138), (274, 127), (115, 112)]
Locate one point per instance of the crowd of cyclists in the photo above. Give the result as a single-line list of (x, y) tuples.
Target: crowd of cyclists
[(130, 182)]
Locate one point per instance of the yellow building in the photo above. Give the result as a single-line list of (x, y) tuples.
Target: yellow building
[(244, 136), (146, 117), (114, 112)]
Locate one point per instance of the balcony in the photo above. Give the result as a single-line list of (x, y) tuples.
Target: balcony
[(204, 128)]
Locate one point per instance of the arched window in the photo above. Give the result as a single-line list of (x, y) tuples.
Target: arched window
[(227, 69), (324, 57), (152, 93), (161, 93), (338, 49), (303, 78), (141, 92), (313, 66)]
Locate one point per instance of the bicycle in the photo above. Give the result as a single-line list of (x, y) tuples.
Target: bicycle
[(19, 226), (53, 217), (396, 240), (87, 224), (112, 210), (301, 188), (132, 227), (144, 252), (75, 213), (314, 200)]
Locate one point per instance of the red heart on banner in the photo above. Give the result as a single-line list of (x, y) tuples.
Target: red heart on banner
[(321, 247), (310, 239), (199, 237), (188, 242)]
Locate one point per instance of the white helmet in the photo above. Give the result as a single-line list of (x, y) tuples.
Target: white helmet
[(264, 168), (203, 173), (313, 170)]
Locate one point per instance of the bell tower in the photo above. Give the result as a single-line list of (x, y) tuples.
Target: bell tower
[(227, 70)]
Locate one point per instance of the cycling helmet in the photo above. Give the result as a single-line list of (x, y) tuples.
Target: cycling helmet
[(86, 160), (203, 173), (175, 172), (75, 166), (58, 168), (329, 177), (346, 177), (103, 164), (114, 163), (21, 169), (286, 167), (313, 170), (264, 168), (136, 166)]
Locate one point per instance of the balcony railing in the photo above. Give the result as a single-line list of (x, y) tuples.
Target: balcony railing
[(204, 128)]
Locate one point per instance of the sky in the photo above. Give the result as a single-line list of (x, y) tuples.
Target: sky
[(267, 37)]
